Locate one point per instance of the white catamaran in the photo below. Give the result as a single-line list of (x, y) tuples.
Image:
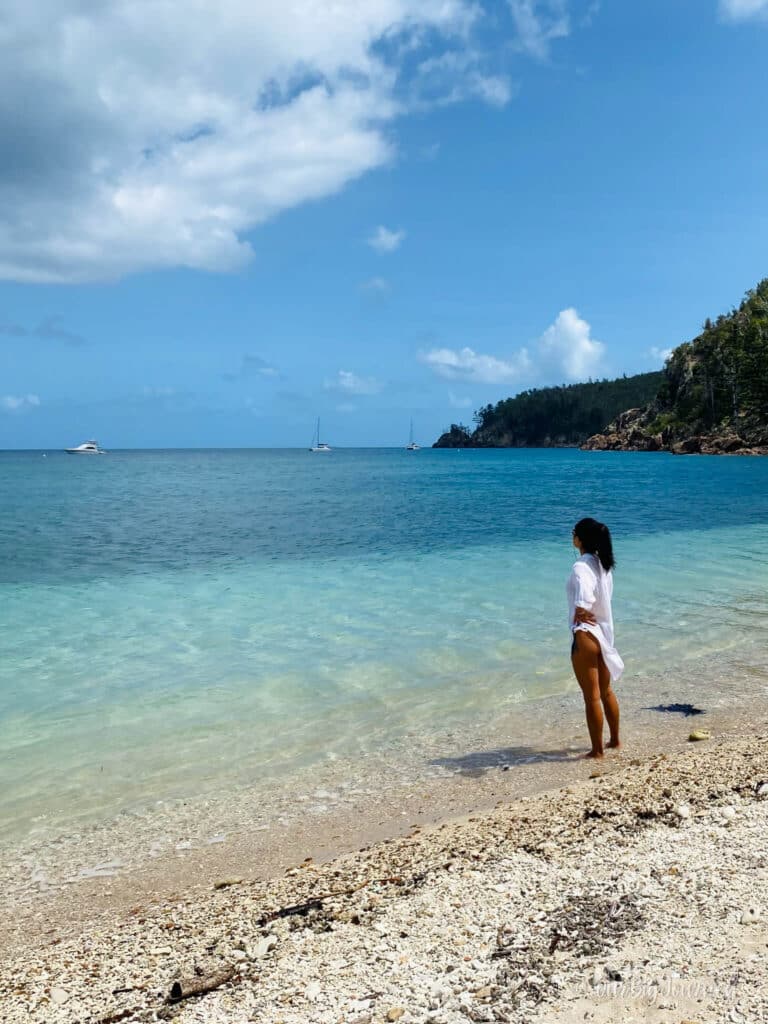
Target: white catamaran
[(412, 446), (318, 445)]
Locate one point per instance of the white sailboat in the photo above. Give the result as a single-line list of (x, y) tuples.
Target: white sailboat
[(318, 445), (412, 446)]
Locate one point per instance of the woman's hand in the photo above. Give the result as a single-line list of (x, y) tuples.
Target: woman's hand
[(584, 615)]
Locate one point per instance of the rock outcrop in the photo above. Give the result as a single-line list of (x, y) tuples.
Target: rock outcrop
[(457, 437), (635, 431)]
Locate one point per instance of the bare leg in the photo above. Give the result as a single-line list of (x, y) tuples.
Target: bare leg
[(610, 704), (585, 660)]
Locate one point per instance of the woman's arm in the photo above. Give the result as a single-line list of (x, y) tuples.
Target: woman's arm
[(586, 594)]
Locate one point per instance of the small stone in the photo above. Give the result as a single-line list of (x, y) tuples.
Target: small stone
[(485, 992), (699, 734), (238, 954), (683, 811), (226, 882), (313, 990), (762, 791), (751, 915), (438, 996), (395, 1013), (263, 947), (359, 1005), (729, 813), (59, 996)]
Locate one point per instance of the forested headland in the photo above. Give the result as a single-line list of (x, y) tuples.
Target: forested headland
[(562, 416), (711, 397), (714, 394)]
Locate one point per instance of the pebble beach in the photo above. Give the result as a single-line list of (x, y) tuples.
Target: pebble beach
[(638, 892)]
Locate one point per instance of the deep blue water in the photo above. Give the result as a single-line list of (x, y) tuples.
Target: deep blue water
[(71, 518)]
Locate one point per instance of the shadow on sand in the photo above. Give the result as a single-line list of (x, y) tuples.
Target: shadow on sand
[(478, 763), (677, 709)]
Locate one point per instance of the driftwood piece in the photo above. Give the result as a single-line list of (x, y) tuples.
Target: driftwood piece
[(316, 902), (185, 988), (298, 909)]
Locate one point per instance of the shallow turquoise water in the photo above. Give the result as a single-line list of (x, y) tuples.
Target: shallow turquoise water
[(178, 621)]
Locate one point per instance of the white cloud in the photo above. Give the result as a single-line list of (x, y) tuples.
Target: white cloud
[(538, 23), (456, 402), (741, 10), (660, 355), (494, 89), (250, 366), (384, 240), (430, 152), (158, 135), (591, 13), (458, 75), (49, 328), (19, 403), (566, 349), (376, 286), (567, 346), (349, 383), (466, 364)]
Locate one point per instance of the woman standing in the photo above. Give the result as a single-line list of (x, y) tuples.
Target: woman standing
[(596, 662)]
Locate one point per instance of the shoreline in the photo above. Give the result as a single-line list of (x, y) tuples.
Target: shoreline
[(453, 921), (66, 880)]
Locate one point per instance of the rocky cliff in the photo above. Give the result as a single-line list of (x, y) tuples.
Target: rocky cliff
[(634, 431)]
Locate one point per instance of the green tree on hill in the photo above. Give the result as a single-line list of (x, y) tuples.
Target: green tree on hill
[(721, 377)]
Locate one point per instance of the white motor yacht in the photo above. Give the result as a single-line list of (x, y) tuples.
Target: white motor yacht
[(86, 448)]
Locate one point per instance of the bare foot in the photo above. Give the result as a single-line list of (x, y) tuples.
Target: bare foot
[(596, 754), (614, 745)]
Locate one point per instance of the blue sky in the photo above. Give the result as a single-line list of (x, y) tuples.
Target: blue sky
[(215, 228)]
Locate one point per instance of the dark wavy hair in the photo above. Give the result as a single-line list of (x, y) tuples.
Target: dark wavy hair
[(596, 540)]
